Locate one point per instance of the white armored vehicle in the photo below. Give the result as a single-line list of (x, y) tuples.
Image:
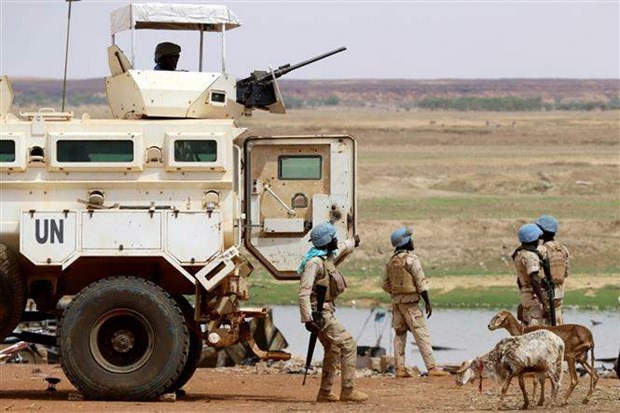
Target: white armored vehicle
[(129, 216)]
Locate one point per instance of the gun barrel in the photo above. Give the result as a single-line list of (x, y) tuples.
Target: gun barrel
[(550, 290), (281, 72)]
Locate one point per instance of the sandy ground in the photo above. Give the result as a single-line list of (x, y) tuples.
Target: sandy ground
[(259, 389)]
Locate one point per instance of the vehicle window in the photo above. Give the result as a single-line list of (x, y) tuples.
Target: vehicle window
[(195, 150), (94, 150), (301, 167), (7, 151)]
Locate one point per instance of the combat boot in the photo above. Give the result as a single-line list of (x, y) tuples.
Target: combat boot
[(403, 373), (352, 395), (326, 397), (437, 372)]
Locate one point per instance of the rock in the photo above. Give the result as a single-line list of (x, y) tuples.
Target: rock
[(584, 183), (375, 364), (168, 397), (387, 363)]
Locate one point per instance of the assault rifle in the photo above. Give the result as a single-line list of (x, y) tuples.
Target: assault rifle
[(317, 316), (260, 90), (549, 288)]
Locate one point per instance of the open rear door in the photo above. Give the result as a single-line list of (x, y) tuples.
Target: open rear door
[(292, 185)]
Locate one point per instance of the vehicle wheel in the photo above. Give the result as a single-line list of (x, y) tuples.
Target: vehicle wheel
[(195, 345), (12, 292), (123, 338)]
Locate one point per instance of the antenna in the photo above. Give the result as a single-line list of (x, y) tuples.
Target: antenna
[(64, 80)]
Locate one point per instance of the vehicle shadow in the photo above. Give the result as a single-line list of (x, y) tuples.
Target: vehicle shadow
[(63, 396)]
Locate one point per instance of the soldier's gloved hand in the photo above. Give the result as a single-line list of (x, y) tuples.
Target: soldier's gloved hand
[(312, 327), (429, 310), (357, 240)]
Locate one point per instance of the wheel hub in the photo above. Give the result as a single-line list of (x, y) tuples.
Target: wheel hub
[(121, 341)]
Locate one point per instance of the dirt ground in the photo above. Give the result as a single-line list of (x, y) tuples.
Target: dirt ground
[(260, 389)]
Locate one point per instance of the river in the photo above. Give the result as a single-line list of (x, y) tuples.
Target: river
[(465, 331)]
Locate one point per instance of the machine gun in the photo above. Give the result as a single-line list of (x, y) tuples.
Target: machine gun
[(321, 292), (260, 89), (550, 289)]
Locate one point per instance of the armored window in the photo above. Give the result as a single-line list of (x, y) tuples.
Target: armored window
[(7, 151), (94, 150), (300, 167), (186, 150)]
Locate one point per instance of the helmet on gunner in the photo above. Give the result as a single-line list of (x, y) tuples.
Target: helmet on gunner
[(322, 235), (401, 236), (547, 223), (529, 233), (167, 56)]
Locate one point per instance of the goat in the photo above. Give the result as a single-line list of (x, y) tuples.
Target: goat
[(540, 352), (577, 339)]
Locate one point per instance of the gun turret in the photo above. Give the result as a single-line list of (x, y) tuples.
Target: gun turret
[(259, 90)]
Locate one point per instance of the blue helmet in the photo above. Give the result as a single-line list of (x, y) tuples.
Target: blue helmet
[(529, 233), (547, 223), (401, 236), (322, 235)]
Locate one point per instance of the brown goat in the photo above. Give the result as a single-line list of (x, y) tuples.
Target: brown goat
[(577, 339)]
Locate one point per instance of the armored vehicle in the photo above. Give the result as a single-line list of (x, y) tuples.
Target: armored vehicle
[(111, 225)]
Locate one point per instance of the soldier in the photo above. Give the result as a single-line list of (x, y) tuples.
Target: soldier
[(404, 279), (559, 260), (167, 56), (527, 261), (317, 268)]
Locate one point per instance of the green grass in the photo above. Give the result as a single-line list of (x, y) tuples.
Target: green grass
[(498, 297), (266, 290), (474, 207)]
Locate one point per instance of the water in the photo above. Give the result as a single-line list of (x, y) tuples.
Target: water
[(464, 330)]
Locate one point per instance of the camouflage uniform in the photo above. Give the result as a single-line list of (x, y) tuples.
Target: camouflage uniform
[(404, 279), (526, 263), (559, 263), (338, 345)]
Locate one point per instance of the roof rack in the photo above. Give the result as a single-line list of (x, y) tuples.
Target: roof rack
[(47, 114)]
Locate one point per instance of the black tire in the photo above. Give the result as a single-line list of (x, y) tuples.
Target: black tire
[(123, 338), (12, 292), (195, 345)]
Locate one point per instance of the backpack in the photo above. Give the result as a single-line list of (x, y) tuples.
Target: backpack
[(558, 261)]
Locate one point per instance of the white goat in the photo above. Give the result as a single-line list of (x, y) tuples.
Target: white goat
[(540, 352)]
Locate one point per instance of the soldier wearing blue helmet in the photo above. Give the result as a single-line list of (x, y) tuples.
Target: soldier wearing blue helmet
[(527, 260), (404, 279), (559, 260), (318, 269)]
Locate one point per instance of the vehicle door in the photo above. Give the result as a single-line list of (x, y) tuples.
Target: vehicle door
[(293, 184)]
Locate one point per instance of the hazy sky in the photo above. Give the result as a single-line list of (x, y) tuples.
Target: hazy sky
[(406, 39)]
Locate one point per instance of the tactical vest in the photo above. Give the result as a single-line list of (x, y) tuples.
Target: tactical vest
[(401, 280), (331, 278), (558, 260)]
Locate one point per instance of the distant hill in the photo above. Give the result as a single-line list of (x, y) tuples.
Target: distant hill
[(458, 94)]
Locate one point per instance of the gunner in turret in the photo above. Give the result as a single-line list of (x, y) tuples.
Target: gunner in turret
[(167, 56)]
